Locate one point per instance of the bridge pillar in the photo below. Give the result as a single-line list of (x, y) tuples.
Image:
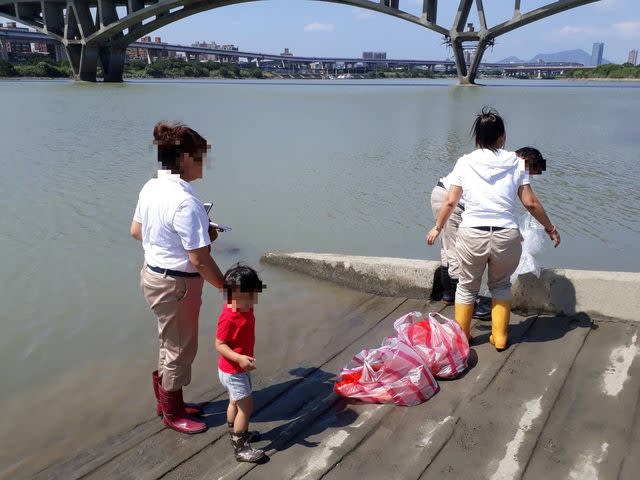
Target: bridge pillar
[(4, 51), (60, 53), (84, 61), (467, 75), (112, 60)]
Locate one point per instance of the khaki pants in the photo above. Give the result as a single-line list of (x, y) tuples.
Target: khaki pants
[(176, 303), (477, 249), (449, 231)]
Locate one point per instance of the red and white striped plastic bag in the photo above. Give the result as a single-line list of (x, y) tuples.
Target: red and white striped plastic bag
[(440, 342), (393, 373)]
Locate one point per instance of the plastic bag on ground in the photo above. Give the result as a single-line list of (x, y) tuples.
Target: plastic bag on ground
[(533, 243), (440, 342), (393, 373)]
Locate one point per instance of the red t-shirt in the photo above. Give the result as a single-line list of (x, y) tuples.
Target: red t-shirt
[(238, 330)]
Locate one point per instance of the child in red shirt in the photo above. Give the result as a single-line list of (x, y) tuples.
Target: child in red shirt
[(235, 340)]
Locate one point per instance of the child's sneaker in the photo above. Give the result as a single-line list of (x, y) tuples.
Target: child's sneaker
[(245, 452)]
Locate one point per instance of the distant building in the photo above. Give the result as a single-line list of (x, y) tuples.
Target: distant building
[(633, 57), (55, 51), (227, 59), (374, 55), (596, 54), (17, 48), (214, 57), (467, 57), (148, 53), (210, 45), (286, 53), (14, 26)]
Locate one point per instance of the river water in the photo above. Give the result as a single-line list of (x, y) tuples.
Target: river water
[(342, 167)]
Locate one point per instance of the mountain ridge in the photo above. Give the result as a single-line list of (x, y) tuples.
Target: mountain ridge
[(573, 56)]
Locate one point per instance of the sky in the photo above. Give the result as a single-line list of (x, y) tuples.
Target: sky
[(317, 28)]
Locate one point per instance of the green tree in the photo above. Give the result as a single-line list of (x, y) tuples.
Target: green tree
[(255, 72), (6, 69)]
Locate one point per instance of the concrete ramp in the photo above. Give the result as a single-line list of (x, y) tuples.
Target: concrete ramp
[(560, 403)]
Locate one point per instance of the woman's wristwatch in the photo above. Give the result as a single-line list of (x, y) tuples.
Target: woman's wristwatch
[(437, 228), (551, 230)]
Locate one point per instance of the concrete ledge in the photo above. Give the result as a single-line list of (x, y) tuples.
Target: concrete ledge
[(392, 277), (610, 294)]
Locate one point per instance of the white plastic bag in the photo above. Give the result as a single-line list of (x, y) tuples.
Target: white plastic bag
[(438, 340), (534, 238), (393, 373), (403, 369)]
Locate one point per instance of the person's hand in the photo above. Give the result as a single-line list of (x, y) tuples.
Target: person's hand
[(553, 235), (213, 233), (247, 363), (432, 235)]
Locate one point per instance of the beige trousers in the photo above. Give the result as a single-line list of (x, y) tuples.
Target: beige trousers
[(449, 231), (176, 303), (477, 249)]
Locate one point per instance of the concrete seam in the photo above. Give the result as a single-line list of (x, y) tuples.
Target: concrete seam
[(284, 392), (153, 432), (357, 444), (444, 444), (634, 426), (115, 456), (465, 401), (511, 352), (319, 413), (555, 401)]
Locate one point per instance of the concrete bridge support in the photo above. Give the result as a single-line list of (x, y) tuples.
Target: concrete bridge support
[(4, 51), (484, 37)]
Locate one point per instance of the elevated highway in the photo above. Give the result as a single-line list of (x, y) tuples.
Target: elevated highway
[(30, 36)]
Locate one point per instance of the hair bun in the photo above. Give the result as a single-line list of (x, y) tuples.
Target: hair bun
[(162, 133)]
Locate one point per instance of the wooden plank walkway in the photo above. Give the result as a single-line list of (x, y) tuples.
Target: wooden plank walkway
[(561, 402)]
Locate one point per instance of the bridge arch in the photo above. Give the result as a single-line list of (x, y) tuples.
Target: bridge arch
[(102, 35)]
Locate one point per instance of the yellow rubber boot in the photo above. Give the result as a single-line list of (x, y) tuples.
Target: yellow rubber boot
[(463, 313), (500, 312)]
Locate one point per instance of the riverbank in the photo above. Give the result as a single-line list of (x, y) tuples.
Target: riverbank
[(599, 79), (355, 77)]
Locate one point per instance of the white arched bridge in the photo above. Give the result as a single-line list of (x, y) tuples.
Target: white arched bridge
[(95, 31)]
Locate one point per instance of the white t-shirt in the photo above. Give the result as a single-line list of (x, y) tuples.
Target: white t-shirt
[(173, 221), (490, 182), (446, 181)]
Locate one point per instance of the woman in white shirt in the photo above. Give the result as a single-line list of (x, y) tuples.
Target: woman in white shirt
[(174, 229), (491, 179)]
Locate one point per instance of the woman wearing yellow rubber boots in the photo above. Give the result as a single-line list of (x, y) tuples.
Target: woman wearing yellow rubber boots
[(491, 179)]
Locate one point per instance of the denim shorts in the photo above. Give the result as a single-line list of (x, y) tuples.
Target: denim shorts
[(237, 384)]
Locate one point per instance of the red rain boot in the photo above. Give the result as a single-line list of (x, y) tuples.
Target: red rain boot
[(174, 415), (191, 408)]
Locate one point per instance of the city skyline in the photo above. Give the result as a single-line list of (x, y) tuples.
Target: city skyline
[(323, 29)]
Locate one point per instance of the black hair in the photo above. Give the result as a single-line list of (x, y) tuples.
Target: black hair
[(241, 277), (174, 139), (533, 158), (487, 129)]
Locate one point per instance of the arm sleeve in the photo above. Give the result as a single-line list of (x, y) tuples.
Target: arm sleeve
[(227, 330), (455, 177), (524, 178), (137, 217), (192, 224)]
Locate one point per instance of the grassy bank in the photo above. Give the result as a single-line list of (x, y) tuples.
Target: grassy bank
[(609, 71)]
